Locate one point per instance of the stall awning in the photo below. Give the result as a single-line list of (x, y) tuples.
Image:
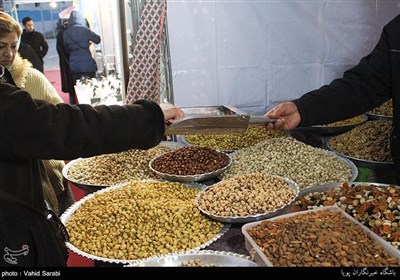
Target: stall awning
[(64, 14)]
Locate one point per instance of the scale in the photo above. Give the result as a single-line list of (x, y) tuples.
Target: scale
[(215, 120)]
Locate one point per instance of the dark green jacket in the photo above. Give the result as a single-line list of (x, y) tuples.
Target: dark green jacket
[(367, 85), (35, 129)]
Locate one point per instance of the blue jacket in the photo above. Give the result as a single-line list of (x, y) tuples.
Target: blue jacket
[(77, 38)]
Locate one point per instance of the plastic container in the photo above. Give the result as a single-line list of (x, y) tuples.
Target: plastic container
[(262, 260)]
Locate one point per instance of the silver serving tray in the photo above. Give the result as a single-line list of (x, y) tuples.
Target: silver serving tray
[(330, 130), (71, 210), (251, 218), (353, 167), (331, 186), (190, 178), (379, 117), (92, 187), (360, 162), (217, 258)]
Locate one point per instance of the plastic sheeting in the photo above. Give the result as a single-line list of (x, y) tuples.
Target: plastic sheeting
[(252, 53)]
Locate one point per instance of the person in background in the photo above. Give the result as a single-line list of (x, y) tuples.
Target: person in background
[(58, 194), (77, 40), (35, 39), (66, 80), (367, 85), (27, 52)]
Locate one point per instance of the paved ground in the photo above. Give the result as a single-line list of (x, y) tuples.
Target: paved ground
[(51, 59)]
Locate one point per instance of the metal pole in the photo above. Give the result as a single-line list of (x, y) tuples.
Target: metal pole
[(124, 47)]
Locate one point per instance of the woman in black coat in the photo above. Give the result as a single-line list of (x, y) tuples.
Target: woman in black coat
[(36, 129), (67, 85)]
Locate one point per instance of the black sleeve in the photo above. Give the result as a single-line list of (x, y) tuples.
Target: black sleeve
[(37, 129), (44, 47), (363, 87)]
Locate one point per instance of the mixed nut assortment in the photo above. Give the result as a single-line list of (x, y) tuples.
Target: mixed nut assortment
[(375, 206), (319, 238), (149, 218)]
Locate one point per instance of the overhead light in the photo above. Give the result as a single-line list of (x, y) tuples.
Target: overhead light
[(53, 4)]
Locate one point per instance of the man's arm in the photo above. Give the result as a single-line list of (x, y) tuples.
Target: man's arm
[(44, 47)]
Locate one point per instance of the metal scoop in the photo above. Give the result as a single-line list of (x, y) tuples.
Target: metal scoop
[(214, 120)]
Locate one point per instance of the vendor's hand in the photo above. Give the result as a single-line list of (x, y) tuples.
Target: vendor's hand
[(171, 113), (287, 115)]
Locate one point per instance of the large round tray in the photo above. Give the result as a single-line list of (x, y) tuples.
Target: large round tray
[(360, 162), (330, 186), (182, 138), (353, 167), (70, 211), (379, 117), (252, 218), (191, 178), (91, 187), (207, 257), (331, 130)]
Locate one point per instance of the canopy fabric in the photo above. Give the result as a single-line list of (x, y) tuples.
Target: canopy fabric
[(64, 14)]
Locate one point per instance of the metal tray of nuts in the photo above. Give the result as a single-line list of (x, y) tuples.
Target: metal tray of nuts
[(190, 178), (361, 162), (203, 258), (95, 187), (250, 218), (66, 216), (261, 258), (331, 186), (378, 117)]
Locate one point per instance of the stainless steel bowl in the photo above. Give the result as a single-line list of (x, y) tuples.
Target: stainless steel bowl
[(361, 162), (190, 178)]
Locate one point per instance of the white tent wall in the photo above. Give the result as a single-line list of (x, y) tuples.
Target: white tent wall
[(254, 53)]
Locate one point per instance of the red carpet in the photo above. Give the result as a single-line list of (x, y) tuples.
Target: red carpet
[(55, 79), (74, 260)]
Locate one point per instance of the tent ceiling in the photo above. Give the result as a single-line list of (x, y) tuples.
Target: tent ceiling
[(33, 1)]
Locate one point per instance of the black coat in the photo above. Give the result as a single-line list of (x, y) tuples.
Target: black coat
[(37, 42), (27, 52), (67, 84), (35, 129), (367, 85)]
